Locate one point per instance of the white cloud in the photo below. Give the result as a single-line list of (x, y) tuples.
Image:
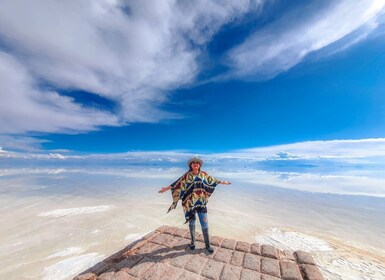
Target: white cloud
[(131, 52), (284, 43)]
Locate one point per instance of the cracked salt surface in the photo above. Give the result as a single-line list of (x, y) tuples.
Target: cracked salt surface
[(293, 241), (68, 267), (74, 211)]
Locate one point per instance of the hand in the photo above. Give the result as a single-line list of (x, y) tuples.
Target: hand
[(226, 182), (162, 190)]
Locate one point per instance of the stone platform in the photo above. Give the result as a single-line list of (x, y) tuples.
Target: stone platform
[(164, 254)]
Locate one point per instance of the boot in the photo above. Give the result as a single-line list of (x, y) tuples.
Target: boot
[(205, 232), (192, 233)]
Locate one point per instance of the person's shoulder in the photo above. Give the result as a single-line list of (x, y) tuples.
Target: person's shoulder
[(204, 172)]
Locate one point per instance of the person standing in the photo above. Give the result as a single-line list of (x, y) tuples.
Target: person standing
[(194, 188)]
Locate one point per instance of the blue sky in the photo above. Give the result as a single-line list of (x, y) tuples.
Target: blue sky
[(89, 77)]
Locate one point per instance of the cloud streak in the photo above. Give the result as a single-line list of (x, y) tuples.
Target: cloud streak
[(287, 41), (130, 52)]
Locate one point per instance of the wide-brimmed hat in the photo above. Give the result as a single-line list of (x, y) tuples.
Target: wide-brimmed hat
[(194, 159)]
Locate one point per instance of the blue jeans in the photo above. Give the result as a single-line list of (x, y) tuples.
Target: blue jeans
[(202, 219)]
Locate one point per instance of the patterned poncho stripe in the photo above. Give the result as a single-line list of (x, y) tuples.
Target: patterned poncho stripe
[(194, 190)]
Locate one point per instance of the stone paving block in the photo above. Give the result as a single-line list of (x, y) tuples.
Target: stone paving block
[(229, 244), (181, 232), (86, 276), (204, 253), (128, 262), (269, 251), (243, 246), (162, 253), (162, 239), (199, 237), (140, 268), (162, 228), (304, 257), (237, 258), (99, 268), (212, 269), (162, 271), (123, 275), (270, 266), (106, 276), (311, 272), (173, 241), (230, 272), (269, 277), (181, 259), (247, 274), (170, 230), (286, 255), (187, 275), (147, 248), (151, 235), (252, 261), (196, 264), (223, 255), (255, 249), (290, 271), (216, 241)]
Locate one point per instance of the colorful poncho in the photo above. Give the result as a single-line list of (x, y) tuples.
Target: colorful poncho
[(194, 190)]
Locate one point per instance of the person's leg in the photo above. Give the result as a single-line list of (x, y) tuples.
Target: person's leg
[(205, 230), (191, 225)]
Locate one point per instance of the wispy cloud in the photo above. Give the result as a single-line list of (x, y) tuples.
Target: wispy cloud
[(286, 42), (132, 52)]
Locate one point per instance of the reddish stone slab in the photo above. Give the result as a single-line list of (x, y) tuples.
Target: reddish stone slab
[(196, 264), (147, 248), (123, 275), (140, 268), (212, 269), (270, 266), (182, 232), (286, 255), (187, 275), (162, 228), (151, 235), (181, 259), (106, 276), (247, 274), (311, 272), (290, 271), (216, 241), (170, 230), (243, 246), (255, 249), (229, 244), (199, 237), (269, 251), (230, 272), (237, 258), (304, 258), (252, 262), (162, 253), (86, 276), (268, 277), (162, 271), (162, 239), (223, 255), (128, 262)]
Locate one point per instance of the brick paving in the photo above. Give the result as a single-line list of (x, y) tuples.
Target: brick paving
[(164, 254)]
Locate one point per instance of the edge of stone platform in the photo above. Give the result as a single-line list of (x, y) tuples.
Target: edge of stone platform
[(295, 265)]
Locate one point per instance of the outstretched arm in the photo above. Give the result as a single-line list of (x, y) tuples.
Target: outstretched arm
[(225, 182), (162, 190)]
